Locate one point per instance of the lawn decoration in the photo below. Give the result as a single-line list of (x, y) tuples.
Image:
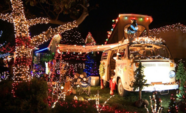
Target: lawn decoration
[(173, 105), (67, 87), (98, 106), (4, 75), (112, 85), (83, 84), (62, 94), (155, 103)]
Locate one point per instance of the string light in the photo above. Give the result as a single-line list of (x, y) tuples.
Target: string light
[(98, 103), (39, 20), (173, 27)]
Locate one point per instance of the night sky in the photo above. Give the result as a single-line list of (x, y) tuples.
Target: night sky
[(99, 21)]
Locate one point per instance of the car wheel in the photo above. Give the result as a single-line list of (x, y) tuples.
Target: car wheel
[(121, 90)]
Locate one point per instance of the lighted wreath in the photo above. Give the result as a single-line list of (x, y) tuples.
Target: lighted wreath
[(101, 69)]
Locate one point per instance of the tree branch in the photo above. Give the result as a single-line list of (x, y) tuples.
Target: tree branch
[(51, 11), (82, 17), (40, 20), (44, 10), (9, 7), (59, 13), (79, 20), (6, 17), (45, 36)]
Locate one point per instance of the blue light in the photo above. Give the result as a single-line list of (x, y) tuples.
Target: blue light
[(41, 50), (1, 32)]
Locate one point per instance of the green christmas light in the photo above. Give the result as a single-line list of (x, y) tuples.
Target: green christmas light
[(140, 19), (107, 39), (126, 18), (113, 20)]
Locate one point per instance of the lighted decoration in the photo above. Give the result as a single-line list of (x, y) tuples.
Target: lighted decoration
[(4, 75), (41, 50), (61, 95), (38, 70), (173, 104), (5, 48), (1, 32), (173, 27), (94, 70), (90, 40), (24, 43), (147, 40), (132, 29), (89, 65), (6, 60), (86, 49), (112, 29), (4, 55), (96, 98), (75, 98), (1, 45), (155, 105)]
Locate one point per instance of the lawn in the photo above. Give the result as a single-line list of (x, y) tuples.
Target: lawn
[(126, 102)]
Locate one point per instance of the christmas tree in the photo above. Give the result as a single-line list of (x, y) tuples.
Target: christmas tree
[(139, 82), (181, 77), (94, 70), (89, 64), (183, 98), (91, 68), (173, 107)]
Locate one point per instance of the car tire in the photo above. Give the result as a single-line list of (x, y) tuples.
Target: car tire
[(121, 91)]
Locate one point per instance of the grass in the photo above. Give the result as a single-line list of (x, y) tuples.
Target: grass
[(124, 102)]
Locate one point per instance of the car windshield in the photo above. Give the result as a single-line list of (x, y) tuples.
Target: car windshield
[(151, 51)]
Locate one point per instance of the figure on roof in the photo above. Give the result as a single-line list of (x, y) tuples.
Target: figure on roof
[(132, 29)]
